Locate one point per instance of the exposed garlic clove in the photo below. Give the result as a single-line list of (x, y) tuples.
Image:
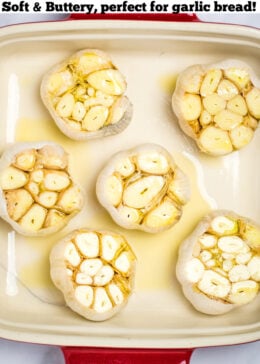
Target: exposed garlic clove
[(140, 193), (70, 200), (179, 187), (82, 278), (104, 99), (71, 254), (239, 76), (60, 82), (239, 273), (56, 180), (227, 89), (208, 240), (34, 219), (191, 106), (91, 61), (251, 234), (25, 160), (230, 244), (48, 198), (115, 294), (229, 256), (205, 118), (101, 99), (95, 118), (253, 102), (102, 301), (192, 83), (51, 157), (125, 167), (250, 122), (33, 188), (123, 263), (91, 266), (215, 141), (12, 178), (129, 214), (241, 136), (18, 203), (103, 276), (54, 218), (114, 190), (227, 265), (66, 105), (109, 245), (205, 256), (227, 120), (84, 294), (152, 162), (88, 244), (164, 215), (79, 111), (194, 270), (37, 175), (254, 268), (213, 284), (117, 110), (243, 258), (223, 225), (237, 105), (243, 292), (211, 263), (214, 104), (210, 82), (109, 81)]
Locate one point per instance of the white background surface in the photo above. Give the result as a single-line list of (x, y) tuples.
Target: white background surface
[(21, 353)]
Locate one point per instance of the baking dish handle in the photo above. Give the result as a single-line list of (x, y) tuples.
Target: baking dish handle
[(92, 355), (183, 17)]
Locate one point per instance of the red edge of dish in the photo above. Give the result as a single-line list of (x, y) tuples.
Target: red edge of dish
[(183, 17), (92, 355)]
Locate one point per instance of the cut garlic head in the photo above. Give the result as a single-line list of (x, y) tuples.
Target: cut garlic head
[(95, 271), (37, 193), (225, 270), (142, 188), (85, 96), (218, 105)]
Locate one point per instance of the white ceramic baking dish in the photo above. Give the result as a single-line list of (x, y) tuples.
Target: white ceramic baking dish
[(150, 54)]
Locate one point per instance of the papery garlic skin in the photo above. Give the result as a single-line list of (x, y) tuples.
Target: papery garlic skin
[(85, 95), (142, 188), (218, 105), (38, 195), (218, 265), (95, 271)]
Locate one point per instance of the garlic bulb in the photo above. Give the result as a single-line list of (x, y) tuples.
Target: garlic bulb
[(95, 271), (142, 188), (218, 105), (37, 193), (219, 263), (85, 96)]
